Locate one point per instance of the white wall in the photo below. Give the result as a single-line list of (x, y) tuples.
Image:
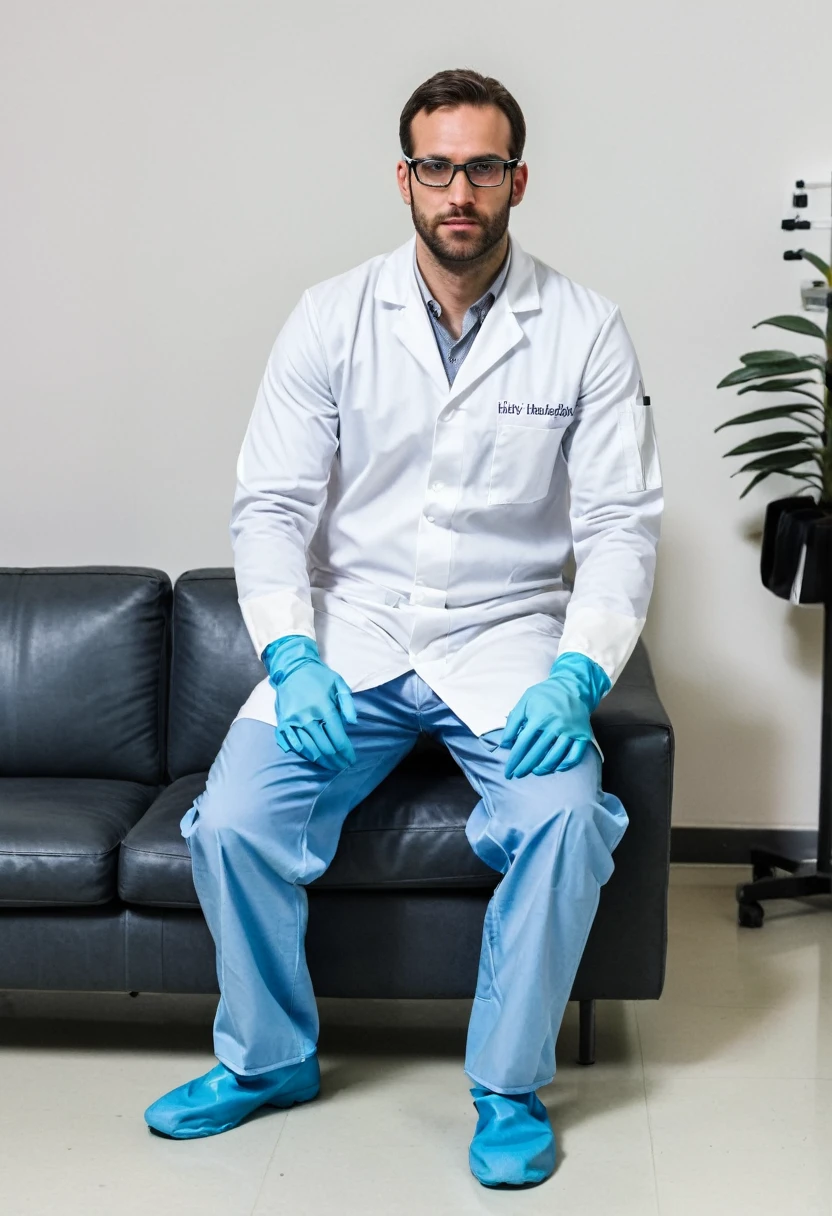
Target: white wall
[(174, 174)]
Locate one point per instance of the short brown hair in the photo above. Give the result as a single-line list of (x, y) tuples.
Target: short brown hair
[(461, 87)]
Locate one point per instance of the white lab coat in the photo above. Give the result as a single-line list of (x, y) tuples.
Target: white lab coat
[(408, 524)]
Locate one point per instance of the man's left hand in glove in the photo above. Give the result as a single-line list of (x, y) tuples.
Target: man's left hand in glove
[(549, 727)]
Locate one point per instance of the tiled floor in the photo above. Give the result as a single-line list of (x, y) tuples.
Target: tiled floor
[(716, 1099)]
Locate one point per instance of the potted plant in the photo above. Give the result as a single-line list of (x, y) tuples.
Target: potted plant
[(796, 554)]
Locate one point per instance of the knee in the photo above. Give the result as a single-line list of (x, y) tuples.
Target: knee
[(579, 816), (232, 831), (215, 811), (198, 815), (566, 819), (543, 827), (585, 831), (589, 819)]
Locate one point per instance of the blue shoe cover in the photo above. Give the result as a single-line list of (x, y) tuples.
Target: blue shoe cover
[(218, 1100), (513, 1144)]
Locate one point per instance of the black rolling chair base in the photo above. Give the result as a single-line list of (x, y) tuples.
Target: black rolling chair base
[(802, 878)]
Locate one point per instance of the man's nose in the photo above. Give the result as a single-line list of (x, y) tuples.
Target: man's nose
[(460, 190)]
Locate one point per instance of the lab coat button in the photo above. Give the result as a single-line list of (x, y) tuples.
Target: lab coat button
[(430, 518)]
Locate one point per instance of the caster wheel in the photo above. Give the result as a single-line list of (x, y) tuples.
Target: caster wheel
[(763, 870), (750, 916)]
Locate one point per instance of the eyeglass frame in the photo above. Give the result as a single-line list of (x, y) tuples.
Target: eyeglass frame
[(514, 163)]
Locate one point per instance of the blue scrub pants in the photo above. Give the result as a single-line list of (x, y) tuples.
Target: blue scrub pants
[(269, 821)]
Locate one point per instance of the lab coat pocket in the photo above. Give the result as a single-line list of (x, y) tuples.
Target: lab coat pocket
[(640, 448), (523, 462)]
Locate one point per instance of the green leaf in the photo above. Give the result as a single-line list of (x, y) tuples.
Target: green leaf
[(771, 411), (822, 266), (799, 325), (768, 443), (780, 460), (768, 472), (782, 386), (758, 477), (768, 356), (757, 370)]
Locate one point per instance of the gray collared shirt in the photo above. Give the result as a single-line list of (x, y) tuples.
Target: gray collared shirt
[(453, 350)]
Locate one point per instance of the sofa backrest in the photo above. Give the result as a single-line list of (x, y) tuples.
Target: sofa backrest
[(213, 668), (110, 672), (84, 658)]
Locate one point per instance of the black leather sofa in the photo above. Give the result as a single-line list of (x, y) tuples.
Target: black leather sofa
[(116, 691)]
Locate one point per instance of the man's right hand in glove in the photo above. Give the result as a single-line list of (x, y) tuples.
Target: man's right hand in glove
[(310, 700)]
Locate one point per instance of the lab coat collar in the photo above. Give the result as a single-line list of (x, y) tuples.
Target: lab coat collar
[(500, 331)]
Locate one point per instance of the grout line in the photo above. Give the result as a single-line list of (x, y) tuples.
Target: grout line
[(254, 1207), (647, 1110)]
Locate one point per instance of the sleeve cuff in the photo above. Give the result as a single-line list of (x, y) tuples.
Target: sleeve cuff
[(271, 616), (608, 638)]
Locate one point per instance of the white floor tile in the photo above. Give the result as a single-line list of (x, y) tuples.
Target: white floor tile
[(712, 960), (792, 1042), (393, 1137), (726, 1149), (73, 1140)]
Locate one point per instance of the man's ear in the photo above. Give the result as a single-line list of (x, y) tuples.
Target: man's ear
[(403, 183), (518, 190)]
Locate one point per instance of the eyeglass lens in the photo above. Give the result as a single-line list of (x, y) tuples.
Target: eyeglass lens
[(480, 173)]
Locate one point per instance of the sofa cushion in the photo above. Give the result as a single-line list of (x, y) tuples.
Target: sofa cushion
[(60, 838), (84, 654), (408, 833), (213, 668)]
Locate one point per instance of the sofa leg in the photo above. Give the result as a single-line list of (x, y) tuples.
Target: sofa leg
[(134, 994), (586, 1033)]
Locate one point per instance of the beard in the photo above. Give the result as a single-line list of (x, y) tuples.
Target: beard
[(451, 249)]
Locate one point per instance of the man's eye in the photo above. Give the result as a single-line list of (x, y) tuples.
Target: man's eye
[(483, 166), (436, 166)]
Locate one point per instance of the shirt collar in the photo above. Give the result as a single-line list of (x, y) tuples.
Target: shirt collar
[(486, 299)]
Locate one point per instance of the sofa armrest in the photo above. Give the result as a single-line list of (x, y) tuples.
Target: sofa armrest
[(634, 699)]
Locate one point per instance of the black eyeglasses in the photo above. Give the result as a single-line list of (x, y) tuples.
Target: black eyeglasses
[(440, 173)]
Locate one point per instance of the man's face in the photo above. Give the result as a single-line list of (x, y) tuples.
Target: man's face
[(461, 222)]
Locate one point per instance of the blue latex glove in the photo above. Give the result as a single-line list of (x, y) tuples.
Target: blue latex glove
[(309, 702), (549, 726)]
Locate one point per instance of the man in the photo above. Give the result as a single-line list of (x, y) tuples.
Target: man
[(436, 430)]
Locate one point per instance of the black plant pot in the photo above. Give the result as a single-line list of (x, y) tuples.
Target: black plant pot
[(792, 525)]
